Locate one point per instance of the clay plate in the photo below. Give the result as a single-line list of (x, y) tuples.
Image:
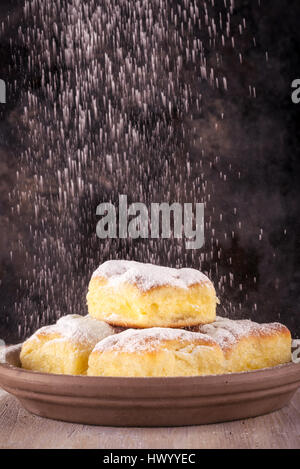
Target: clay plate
[(148, 402)]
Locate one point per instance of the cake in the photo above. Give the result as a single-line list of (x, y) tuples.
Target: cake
[(64, 347), (248, 345), (155, 352), (136, 295)]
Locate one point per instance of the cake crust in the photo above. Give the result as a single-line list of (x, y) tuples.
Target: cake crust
[(225, 346), (136, 295), (156, 352), (64, 347), (248, 345)]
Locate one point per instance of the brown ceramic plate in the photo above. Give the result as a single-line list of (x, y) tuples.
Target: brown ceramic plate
[(149, 402)]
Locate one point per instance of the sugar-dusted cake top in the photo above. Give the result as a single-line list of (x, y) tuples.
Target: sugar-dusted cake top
[(227, 332), (147, 276), (77, 329), (142, 340)]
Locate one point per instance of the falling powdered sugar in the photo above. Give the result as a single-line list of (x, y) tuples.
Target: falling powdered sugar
[(147, 276)]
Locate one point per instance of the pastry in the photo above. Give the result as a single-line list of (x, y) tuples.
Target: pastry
[(248, 345), (224, 346), (137, 295), (64, 347), (156, 352)]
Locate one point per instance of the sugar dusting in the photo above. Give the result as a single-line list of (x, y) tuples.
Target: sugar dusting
[(227, 332), (142, 340), (77, 329), (147, 276), (115, 106)]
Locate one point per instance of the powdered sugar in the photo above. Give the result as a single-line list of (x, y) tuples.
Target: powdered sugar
[(78, 329), (141, 340), (227, 332), (147, 276)]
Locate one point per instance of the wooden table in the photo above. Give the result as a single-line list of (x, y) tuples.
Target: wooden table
[(20, 429)]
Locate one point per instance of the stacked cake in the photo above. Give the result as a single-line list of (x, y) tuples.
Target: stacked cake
[(146, 321)]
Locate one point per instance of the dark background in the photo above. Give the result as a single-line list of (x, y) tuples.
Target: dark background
[(257, 146)]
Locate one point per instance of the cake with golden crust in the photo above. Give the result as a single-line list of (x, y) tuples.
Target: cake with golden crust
[(224, 346), (136, 295), (64, 347), (156, 352), (248, 345)]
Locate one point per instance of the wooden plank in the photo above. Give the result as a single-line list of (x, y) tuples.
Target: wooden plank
[(20, 429)]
